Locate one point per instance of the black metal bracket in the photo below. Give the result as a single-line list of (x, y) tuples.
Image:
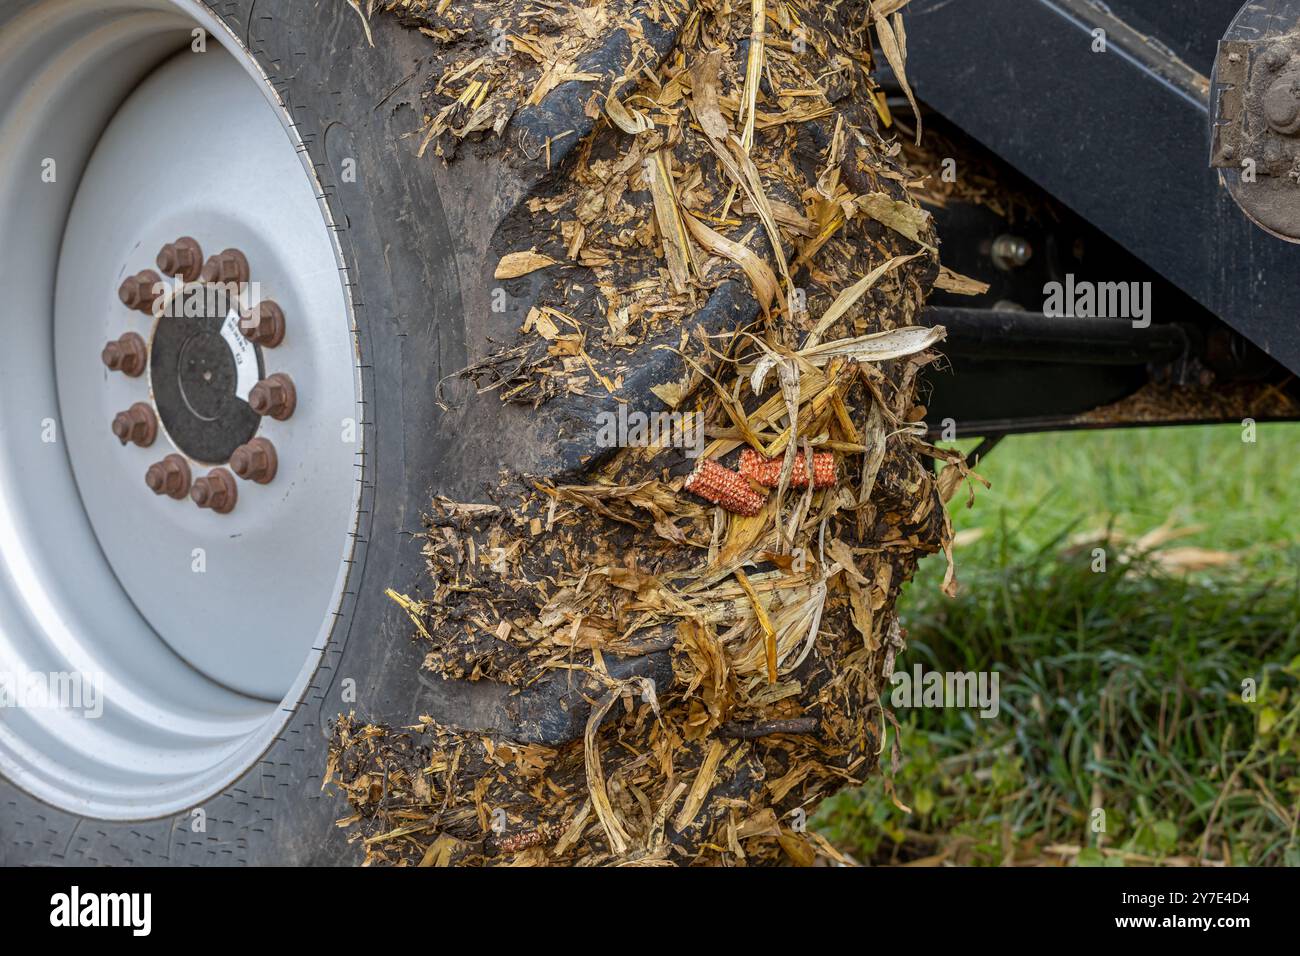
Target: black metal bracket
[(988, 334), (1120, 136), (1009, 372)]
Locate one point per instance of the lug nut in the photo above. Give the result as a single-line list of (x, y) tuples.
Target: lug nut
[(228, 265), (274, 396), (215, 490), (170, 477), (264, 324), (1011, 252), (138, 291), (1282, 106), (255, 461), (126, 355), (181, 258), (137, 424)]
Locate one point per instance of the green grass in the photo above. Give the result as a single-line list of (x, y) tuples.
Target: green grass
[(1120, 691), (1246, 495)]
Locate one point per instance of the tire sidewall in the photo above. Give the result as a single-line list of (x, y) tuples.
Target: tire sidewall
[(398, 268)]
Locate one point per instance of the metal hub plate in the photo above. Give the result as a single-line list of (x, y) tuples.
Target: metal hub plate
[(198, 389), (1255, 98)]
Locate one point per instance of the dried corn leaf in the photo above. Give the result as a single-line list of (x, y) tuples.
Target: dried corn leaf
[(628, 120), (764, 622), (753, 72), (668, 216), (761, 278), (599, 795), (733, 156), (701, 786), (879, 346), (516, 264), (903, 217), (958, 284), (893, 42), (365, 20), (845, 300)]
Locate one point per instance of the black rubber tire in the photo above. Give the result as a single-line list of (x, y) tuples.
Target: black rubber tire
[(401, 273)]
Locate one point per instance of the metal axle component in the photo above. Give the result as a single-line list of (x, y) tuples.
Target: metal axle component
[(1256, 103), (1033, 337), (1010, 252)]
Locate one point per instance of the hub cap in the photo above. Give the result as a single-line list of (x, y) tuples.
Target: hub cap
[(195, 371)]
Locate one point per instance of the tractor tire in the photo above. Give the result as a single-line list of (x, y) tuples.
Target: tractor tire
[(333, 90), (243, 673)]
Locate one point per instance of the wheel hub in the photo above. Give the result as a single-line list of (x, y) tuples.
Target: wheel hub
[(203, 364), (1255, 102)]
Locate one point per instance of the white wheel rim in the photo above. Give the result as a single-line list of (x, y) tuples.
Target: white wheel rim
[(180, 638)]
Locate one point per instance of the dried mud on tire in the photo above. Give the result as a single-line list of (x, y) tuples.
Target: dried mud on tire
[(714, 224)]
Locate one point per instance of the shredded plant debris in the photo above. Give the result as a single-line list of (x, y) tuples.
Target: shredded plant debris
[(674, 679), (1160, 402)]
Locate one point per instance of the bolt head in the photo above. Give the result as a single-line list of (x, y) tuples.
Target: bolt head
[(274, 396), (229, 265), (127, 354), (156, 478), (255, 461), (261, 398), (181, 258), (264, 324), (215, 490), (138, 425), (170, 477), (138, 292), (1011, 252), (1282, 106)]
